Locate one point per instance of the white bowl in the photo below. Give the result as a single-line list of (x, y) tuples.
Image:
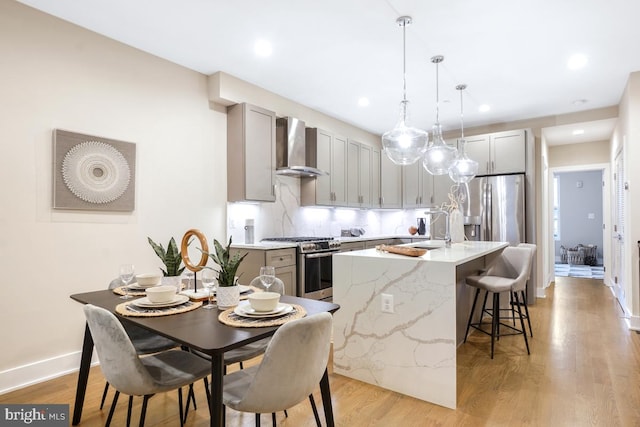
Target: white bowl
[(264, 301), (159, 294), (148, 279)]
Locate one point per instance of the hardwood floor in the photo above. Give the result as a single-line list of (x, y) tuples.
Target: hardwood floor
[(584, 369)]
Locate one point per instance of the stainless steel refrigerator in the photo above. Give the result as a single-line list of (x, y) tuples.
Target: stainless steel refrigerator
[(494, 208)]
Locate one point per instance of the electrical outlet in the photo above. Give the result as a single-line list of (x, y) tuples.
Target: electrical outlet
[(387, 303)]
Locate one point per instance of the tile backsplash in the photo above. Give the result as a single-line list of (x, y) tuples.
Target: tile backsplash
[(285, 217)]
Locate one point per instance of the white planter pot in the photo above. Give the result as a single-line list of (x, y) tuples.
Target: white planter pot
[(227, 296), (175, 281), (456, 226)]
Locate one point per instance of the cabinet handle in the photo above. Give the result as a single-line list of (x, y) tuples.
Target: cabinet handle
[(493, 166), (381, 200), (488, 168)]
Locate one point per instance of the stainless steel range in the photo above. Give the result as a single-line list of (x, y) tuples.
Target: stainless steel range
[(315, 265)]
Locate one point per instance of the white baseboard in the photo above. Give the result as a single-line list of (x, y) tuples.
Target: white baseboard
[(541, 293), (37, 372), (633, 322)]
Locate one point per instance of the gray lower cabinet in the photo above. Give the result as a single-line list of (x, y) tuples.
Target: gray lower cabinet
[(284, 260), (351, 246), (371, 244)]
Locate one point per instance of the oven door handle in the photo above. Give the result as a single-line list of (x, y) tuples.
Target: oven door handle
[(320, 254)]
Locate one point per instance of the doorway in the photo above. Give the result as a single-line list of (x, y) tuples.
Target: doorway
[(579, 202)]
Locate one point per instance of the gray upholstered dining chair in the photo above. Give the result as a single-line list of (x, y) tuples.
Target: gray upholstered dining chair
[(144, 341), (509, 273), (257, 348), (246, 352), (140, 376), (291, 368)]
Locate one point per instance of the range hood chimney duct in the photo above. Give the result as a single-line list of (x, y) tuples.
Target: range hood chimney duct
[(291, 149)]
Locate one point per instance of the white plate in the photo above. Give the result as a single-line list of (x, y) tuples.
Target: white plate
[(245, 310), (135, 286), (146, 303)]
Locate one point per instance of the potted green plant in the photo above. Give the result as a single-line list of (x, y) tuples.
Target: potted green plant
[(172, 260), (228, 292)]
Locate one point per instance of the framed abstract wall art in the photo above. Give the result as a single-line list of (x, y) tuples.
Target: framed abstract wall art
[(93, 173)]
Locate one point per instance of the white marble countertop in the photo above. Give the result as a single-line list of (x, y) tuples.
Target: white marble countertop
[(267, 245), (458, 253)]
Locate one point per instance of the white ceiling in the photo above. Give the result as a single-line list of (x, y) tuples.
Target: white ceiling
[(327, 54)]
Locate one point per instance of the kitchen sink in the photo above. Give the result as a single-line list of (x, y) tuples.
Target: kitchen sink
[(428, 245)]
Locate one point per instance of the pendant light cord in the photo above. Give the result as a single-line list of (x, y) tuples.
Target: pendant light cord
[(437, 60), (437, 95), (461, 88), (404, 62)]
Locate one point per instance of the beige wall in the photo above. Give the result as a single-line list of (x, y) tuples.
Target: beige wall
[(225, 89), (589, 153), (628, 137), (56, 75)]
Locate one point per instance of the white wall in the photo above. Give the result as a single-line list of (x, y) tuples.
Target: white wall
[(628, 136), (56, 75)]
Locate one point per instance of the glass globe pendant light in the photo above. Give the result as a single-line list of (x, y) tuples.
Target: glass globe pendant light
[(464, 169), (439, 156), (404, 144)]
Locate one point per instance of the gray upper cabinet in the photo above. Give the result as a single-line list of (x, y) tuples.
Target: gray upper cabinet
[(375, 177), (327, 152), (498, 153), (251, 153), (390, 183), (417, 186), (359, 176)]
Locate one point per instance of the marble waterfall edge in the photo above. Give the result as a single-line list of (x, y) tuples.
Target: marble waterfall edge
[(411, 351)]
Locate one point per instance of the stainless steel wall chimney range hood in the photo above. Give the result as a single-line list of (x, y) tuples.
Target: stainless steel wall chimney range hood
[(291, 149)]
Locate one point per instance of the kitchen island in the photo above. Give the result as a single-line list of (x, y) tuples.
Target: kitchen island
[(411, 350)]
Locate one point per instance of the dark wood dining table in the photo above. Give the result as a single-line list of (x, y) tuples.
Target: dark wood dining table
[(198, 329)]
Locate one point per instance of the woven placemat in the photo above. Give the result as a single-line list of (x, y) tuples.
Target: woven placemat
[(135, 293), (243, 296), (127, 309), (228, 317)]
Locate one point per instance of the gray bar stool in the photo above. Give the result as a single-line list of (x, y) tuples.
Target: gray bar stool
[(524, 292), (508, 274)]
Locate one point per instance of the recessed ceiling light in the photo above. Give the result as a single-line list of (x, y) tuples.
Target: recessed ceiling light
[(484, 108), (262, 48), (577, 61), (578, 132), (363, 101)]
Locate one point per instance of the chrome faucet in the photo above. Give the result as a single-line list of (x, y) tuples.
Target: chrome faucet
[(447, 234)]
